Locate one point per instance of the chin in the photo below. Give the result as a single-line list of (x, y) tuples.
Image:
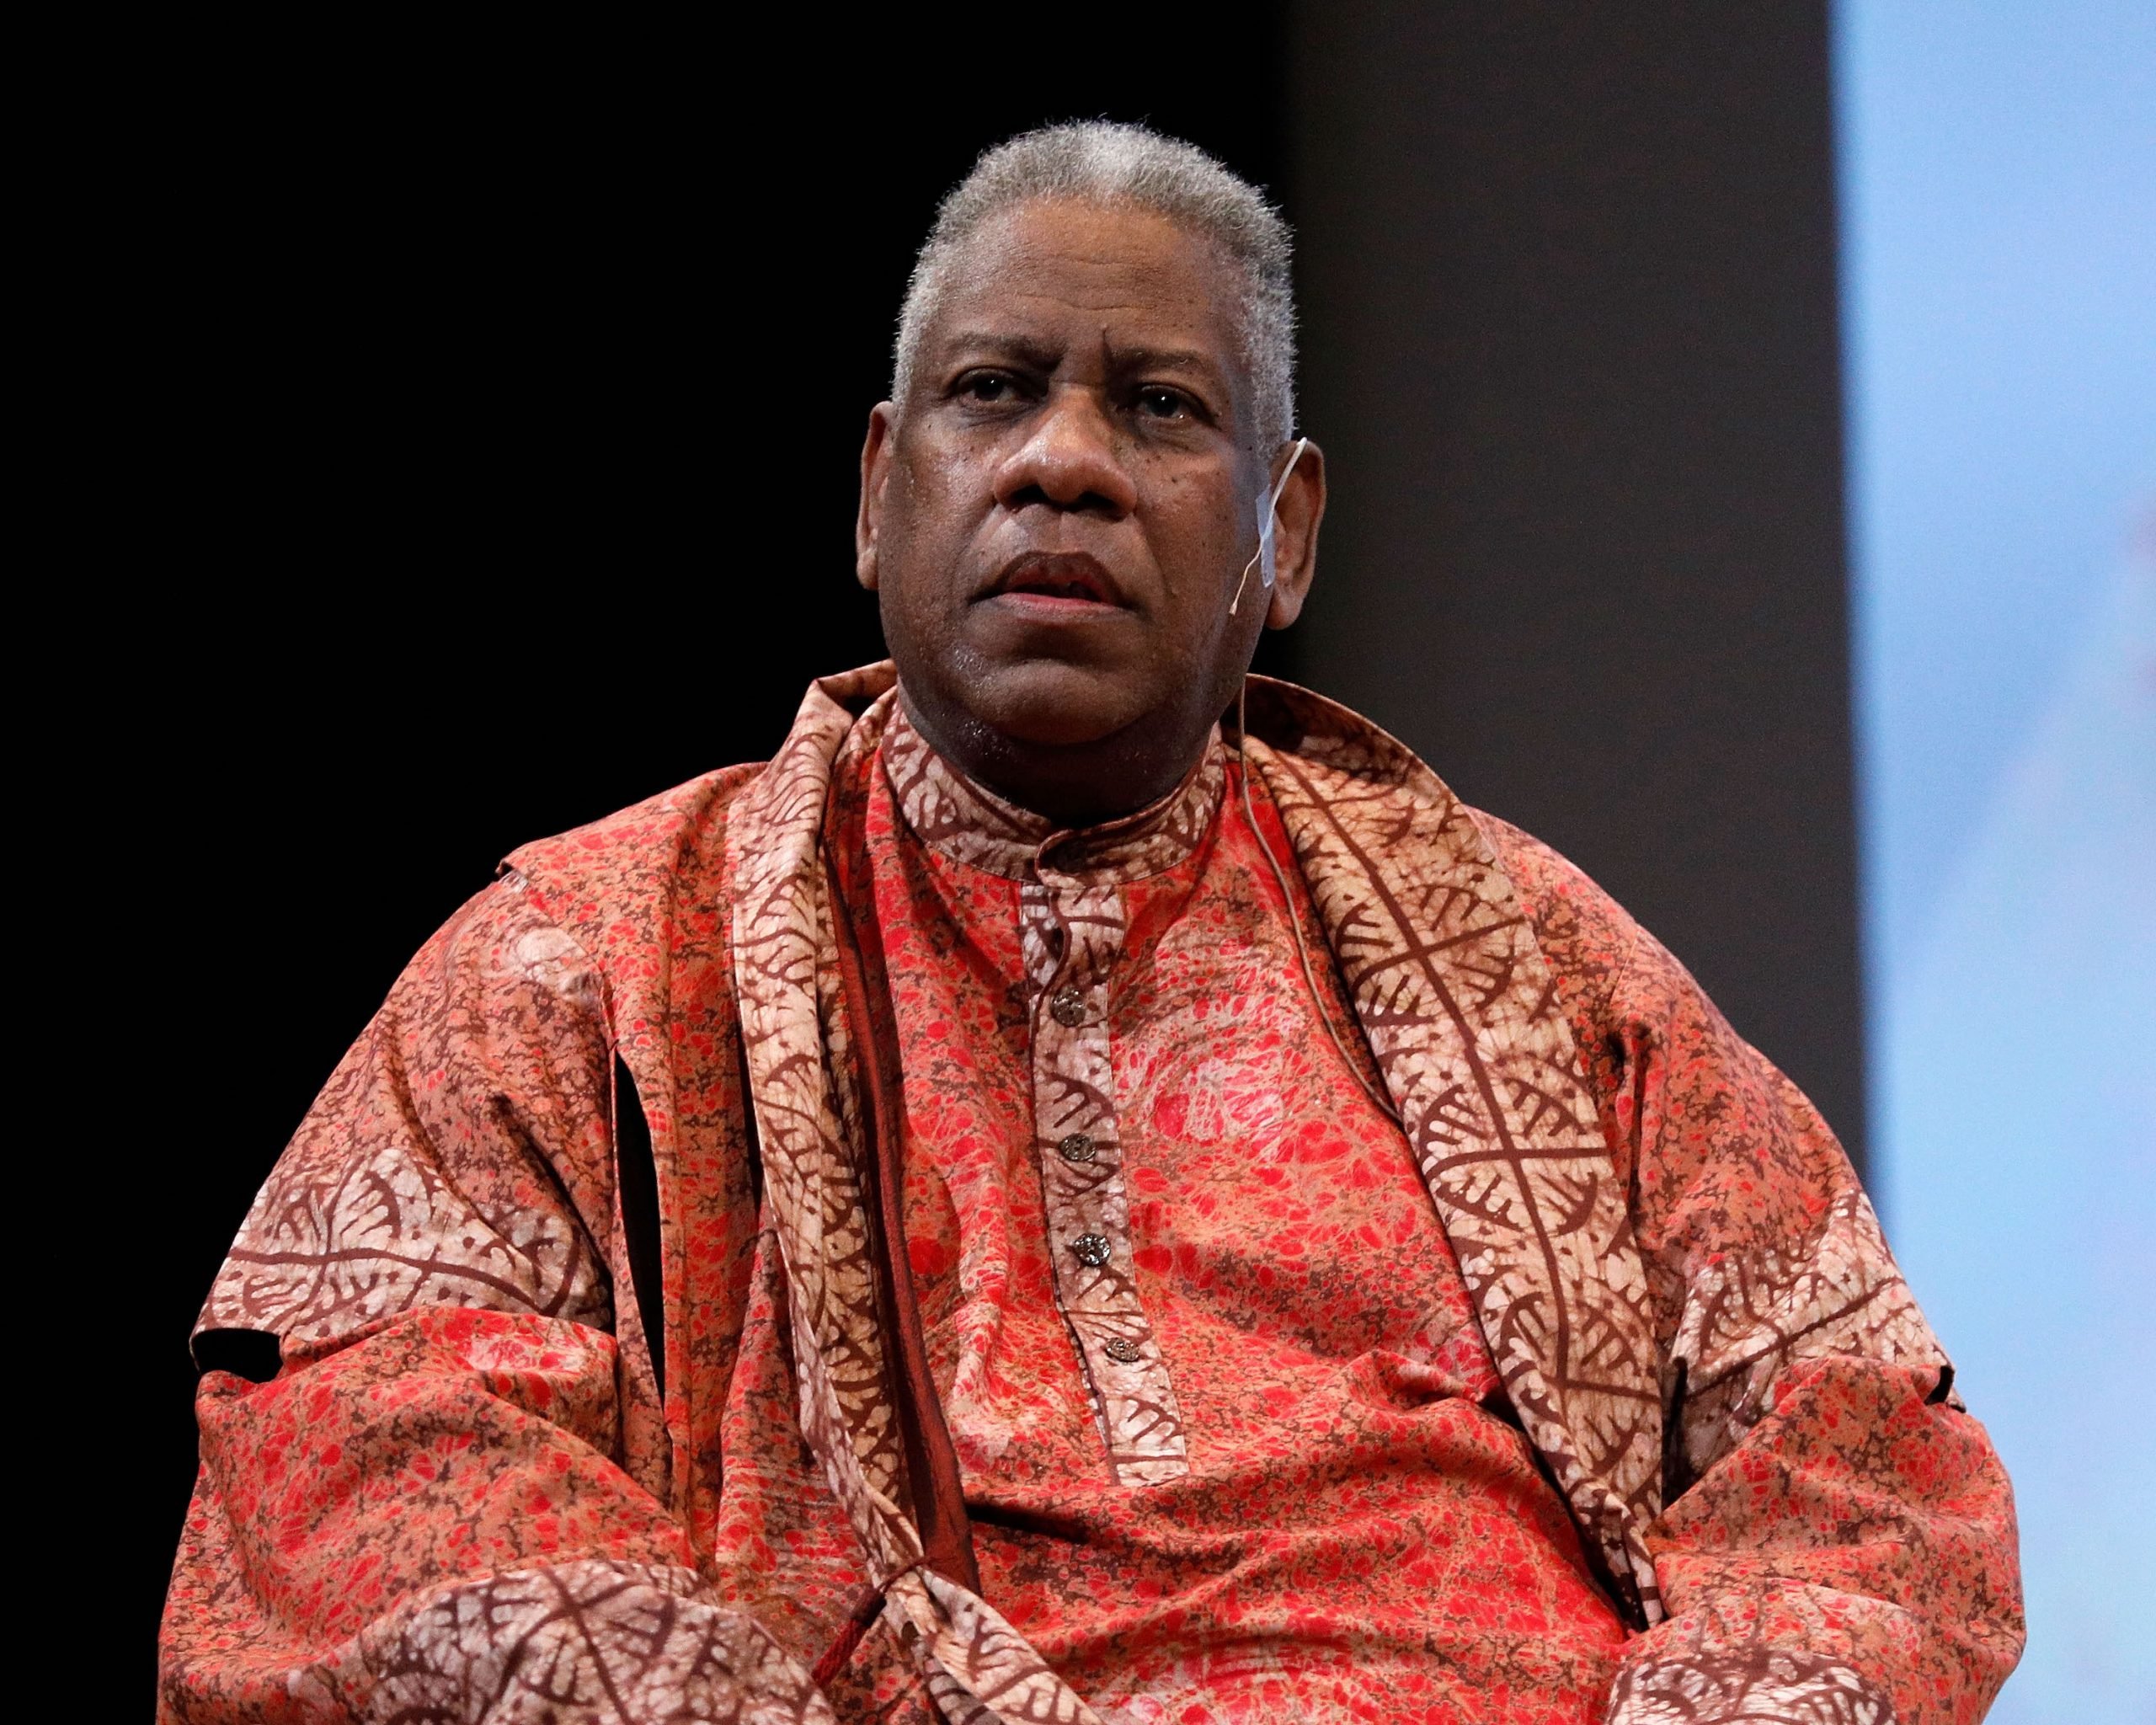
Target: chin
[(1050, 704)]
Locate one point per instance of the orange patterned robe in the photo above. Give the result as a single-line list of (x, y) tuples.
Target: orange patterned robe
[(1472, 1327)]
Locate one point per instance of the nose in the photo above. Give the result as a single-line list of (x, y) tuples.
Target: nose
[(1069, 461)]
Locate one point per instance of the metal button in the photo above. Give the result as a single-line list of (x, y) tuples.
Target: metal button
[(1124, 1352), (1093, 1250), (1067, 1007), (1078, 1147)]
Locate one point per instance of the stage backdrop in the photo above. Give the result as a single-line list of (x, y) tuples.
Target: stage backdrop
[(1568, 281), (511, 392)]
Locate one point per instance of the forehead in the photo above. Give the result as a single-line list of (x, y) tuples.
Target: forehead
[(1069, 272)]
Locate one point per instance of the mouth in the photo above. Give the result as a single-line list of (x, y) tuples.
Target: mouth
[(1050, 584)]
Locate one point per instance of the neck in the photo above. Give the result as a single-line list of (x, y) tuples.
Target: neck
[(1074, 785)]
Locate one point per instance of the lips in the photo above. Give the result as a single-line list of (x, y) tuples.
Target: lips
[(1057, 579)]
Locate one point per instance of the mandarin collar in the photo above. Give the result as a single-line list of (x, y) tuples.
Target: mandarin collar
[(968, 823)]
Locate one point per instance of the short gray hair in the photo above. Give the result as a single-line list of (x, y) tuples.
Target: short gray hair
[(1102, 162)]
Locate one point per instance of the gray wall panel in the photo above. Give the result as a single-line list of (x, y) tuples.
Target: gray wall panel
[(1568, 283)]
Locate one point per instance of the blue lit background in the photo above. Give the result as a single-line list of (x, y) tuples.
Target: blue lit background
[(1998, 197)]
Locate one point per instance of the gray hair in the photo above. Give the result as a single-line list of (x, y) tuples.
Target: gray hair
[(1102, 161)]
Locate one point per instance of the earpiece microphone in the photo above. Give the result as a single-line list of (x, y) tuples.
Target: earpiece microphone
[(1267, 503)]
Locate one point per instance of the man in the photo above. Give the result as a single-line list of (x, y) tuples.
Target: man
[(1083, 1189)]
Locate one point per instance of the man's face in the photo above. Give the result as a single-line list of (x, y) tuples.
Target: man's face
[(1056, 517)]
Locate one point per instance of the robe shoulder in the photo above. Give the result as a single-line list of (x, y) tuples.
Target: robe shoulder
[(1684, 1098), (1590, 942), (463, 1152), (620, 884)]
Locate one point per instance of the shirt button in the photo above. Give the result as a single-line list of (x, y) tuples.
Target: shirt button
[(1078, 1147), (1092, 1250), (1067, 1007), (1121, 1351)]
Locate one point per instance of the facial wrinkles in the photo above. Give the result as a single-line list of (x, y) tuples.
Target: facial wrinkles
[(1084, 307)]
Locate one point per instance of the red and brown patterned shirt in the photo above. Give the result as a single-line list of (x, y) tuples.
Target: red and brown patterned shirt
[(1253, 1418), (1224, 1414)]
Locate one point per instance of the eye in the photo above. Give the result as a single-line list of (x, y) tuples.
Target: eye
[(987, 389), (1156, 401)]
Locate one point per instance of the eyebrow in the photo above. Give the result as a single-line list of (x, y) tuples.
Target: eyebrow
[(1035, 354), (1163, 359), (1042, 357)]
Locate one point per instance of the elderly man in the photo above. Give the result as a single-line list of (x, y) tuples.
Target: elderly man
[(1089, 1188)]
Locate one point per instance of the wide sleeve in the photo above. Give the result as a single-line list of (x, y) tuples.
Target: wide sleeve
[(1837, 1539), (430, 1511)]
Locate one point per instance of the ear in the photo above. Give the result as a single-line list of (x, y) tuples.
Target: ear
[(875, 478), (1294, 542)]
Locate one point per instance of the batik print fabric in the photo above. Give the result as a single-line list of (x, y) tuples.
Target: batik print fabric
[(1213, 1376), (466, 1419), (1839, 1539), (1068, 915)]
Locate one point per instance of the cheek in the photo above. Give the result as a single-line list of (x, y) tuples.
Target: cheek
[(916, 616), (927, 569), (1201, 545), (914, 536), (933, 504)]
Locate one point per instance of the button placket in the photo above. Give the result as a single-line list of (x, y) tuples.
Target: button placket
[(1082, 1173)]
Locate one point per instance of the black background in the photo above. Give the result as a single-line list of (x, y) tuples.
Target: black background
[(503, 410)]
